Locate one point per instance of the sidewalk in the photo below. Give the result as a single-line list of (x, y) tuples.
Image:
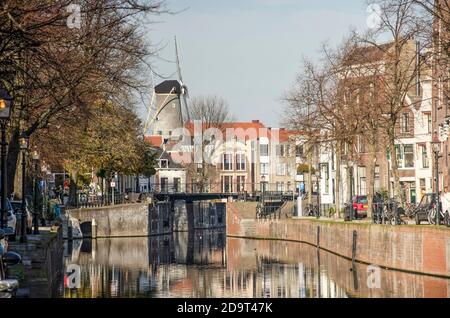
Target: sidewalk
[(41, 263)]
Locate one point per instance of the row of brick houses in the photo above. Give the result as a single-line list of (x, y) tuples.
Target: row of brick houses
[(441, 98)]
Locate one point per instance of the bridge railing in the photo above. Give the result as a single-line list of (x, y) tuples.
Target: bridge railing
[(223, 187), (87, 200)]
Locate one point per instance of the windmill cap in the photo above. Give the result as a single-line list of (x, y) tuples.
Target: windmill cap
[(167, 87)]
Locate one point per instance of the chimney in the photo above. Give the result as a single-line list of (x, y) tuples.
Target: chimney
[(255, 121)]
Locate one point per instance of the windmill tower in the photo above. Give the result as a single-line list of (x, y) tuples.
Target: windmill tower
[(169, 115), (168, 97)]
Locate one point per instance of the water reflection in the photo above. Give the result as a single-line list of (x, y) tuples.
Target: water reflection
[(207, 264)]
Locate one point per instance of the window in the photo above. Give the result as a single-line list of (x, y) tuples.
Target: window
[(425, 161), (377, 183), (240, 184), (281, 169), (227, 165), (290, 170), (264, 150), (164, 185), (164, 164), (279, 150), (227, 184), (429, 123), (423, 188), (264, 169), (280, 186), (404, 123), (264, 186), (399, 155), (362, 180), (240, 162), (409, 156), (326, 173), (299, 151), (176, 185)]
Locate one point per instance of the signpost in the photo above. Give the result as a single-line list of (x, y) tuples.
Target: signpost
[(113, 186)]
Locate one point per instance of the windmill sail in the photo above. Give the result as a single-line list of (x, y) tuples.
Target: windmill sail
[(186, 117)]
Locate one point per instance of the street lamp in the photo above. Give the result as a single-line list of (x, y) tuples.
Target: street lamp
[(24, 143), (5, 114), (35, 193), (437, 149)]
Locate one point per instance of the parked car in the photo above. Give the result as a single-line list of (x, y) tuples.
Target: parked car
[(427, 203), (360, 206), (17, 207)]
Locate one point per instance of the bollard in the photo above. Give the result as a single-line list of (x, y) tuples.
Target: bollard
[(94, 229), (318, 237)]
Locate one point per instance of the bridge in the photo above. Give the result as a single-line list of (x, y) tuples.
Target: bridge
[(192, 197)]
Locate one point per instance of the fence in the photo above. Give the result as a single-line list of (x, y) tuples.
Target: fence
[(92, 200), (223, 187)]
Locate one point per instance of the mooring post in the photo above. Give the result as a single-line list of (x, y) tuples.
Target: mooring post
[(355, 236), (318, 237), (94, 229)]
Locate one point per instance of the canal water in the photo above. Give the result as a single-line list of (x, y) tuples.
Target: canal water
[(206, 264)]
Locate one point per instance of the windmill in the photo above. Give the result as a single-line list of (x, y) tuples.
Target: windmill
[(175, 88)]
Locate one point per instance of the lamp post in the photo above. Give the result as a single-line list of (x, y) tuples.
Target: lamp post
[(437, 149), (5, 114), (318, 191), (24, 142), (35, 194)]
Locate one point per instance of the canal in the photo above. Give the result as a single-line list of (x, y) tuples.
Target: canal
[(208, 264)]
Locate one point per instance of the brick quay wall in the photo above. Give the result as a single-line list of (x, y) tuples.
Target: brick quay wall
[(418, 249)]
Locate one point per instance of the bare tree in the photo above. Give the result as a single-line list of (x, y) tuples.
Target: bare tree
[(212, 113), (52, 68), (401, 65)]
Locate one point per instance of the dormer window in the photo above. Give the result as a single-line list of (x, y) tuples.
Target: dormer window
[(164, 164)]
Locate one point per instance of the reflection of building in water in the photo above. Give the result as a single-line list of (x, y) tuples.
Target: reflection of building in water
[(276, 280), (198, 265)]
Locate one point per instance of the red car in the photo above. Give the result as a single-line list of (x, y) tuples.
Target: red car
[(360, 205)]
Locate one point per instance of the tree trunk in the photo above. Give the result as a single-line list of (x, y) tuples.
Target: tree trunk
[(397, 190), (73, 187), (371, 178), (337, 189), (12, 161)]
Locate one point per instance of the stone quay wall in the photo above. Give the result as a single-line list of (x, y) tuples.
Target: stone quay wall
[(411, 248)]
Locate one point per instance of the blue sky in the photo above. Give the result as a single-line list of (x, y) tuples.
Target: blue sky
[(249, 51)]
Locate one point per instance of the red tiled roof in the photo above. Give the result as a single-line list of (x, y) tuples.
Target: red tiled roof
[(155, 141), (248, 130)]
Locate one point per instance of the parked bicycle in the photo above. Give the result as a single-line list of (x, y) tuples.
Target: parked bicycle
[(388, 212), (443, 217), (313, 210)]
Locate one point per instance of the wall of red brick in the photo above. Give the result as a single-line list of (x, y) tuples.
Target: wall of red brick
[(422, 249)]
